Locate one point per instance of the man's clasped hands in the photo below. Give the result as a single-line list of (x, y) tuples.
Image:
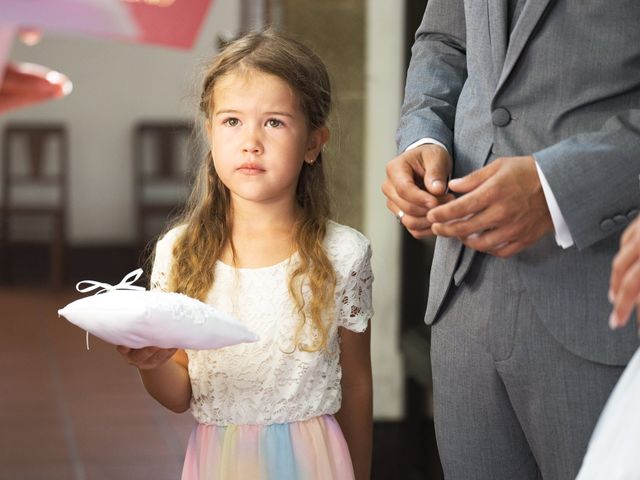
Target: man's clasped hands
[(499, 209)]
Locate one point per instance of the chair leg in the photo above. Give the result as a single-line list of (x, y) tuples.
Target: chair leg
[(5, 259), (57, 257), (4, 249)]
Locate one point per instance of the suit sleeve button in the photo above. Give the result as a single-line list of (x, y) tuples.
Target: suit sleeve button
[(620, 220), (607, 224)]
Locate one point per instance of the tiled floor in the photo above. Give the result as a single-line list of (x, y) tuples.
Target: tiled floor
[(71, 414)]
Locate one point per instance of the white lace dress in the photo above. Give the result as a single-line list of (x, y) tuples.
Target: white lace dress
[(265, 409)]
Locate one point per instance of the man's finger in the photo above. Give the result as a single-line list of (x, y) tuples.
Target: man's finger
[(396, 204), (631, 232), (437, 164), (626, 297), (416, 224), (623, 260), (465, 226), (489, 240), (469, 204), (508, 249), (420, 234), (400, 184), (473, 180)]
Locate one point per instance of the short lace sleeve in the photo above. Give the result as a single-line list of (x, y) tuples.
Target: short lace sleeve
[(162, 262), (355, 308)]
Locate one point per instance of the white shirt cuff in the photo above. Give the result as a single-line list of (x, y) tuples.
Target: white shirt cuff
[(424, 141), (563, 235)]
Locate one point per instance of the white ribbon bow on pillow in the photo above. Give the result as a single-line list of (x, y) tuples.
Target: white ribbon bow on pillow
[(125, 284)]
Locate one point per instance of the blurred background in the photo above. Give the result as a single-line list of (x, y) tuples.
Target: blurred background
[(89, 180)]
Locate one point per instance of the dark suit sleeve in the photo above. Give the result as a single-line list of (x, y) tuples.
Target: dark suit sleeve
[(436, 74), (594, 177)]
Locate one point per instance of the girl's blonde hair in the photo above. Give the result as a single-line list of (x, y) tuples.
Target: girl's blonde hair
[(207, 218)]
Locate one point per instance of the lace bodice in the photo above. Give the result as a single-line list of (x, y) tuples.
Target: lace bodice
[(266, 382)]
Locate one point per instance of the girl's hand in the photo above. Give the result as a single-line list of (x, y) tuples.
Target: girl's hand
[(146, 358), (166, 381)]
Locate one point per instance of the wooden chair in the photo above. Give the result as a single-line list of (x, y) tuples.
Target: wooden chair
[(34, 193), (162, 169)]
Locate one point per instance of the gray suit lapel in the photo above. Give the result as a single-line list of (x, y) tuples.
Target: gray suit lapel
[(529, 18), (498, 26)]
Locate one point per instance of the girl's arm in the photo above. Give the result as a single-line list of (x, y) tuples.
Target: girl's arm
[(356, 413), (164, 373)]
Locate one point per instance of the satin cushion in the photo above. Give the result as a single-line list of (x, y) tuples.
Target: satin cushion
[(143, 318)]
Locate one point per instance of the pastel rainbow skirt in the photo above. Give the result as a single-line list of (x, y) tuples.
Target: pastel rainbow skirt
[(313, 449)]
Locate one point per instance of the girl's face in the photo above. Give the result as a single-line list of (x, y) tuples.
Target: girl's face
[(259, 137)]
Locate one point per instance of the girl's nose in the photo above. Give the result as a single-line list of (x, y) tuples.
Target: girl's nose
[(252, 142)]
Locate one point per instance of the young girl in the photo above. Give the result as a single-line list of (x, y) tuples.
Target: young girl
[(257, 243)]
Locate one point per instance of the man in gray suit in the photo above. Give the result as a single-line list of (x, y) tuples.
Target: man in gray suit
[(532, 107)]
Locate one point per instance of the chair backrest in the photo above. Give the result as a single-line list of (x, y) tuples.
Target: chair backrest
[(34, 178), (34, 193), (162, 163)]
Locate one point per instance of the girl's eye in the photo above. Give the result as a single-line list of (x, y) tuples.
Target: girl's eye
[(232, 122), (274, 123)]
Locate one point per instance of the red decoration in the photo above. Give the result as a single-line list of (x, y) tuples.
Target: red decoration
[(173, 24)]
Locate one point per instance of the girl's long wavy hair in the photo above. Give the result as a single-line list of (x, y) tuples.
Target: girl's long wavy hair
[(207, 218)]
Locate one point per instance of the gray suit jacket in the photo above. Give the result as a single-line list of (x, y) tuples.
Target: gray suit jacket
[(565, 87)]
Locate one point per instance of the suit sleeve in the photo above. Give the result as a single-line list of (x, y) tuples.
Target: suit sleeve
[(594, 177), (436, 74)]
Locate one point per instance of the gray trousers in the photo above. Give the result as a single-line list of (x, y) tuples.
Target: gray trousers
[(509, 401)]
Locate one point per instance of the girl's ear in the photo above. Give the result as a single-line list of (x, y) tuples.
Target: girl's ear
[(317, 139)]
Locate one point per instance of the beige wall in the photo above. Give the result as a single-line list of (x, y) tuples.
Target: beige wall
[(335, 30), (361, 43)]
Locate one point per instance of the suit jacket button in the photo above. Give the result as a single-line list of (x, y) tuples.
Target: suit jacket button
[(620, 220), (501, 117), (607, 224), (633, 213)]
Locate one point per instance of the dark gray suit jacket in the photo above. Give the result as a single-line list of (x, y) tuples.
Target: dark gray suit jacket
[(565, 87)]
